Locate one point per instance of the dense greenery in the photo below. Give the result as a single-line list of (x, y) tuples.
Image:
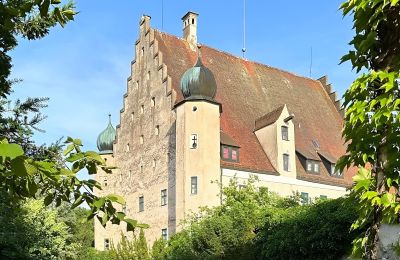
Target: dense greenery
[(257, 224), (372, 119), (135, 249)]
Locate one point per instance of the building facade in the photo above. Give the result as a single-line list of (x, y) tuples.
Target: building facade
[(193, 115)]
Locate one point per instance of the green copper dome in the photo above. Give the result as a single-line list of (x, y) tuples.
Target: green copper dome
[(198, 82), (106, 138)]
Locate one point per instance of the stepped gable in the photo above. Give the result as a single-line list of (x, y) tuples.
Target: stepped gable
[(249, 90)]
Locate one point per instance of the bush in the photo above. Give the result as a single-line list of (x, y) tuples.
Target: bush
[(318, 231)]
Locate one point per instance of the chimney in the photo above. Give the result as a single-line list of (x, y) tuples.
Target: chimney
[(190, 28)]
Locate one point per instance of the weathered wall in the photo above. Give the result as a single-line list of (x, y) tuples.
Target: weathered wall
[(145, 144)]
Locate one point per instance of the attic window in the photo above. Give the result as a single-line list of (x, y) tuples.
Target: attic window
[(229, 153), (335, 172), (313, 166), (285, 133)]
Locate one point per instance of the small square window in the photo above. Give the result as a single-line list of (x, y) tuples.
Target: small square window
[(304, 198), (163, 197), (193, 185), (242, 186), (141, 203), (286, 162), (106, 244), (164, 233), (285, 133)]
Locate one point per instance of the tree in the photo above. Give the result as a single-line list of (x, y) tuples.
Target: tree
[(135, 249), (31, 231), (372, 119), (26, 170)]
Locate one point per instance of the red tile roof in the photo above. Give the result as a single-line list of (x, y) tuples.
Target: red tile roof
[(249, 90)]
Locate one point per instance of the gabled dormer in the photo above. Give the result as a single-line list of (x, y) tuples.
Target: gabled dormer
[(275, 132)]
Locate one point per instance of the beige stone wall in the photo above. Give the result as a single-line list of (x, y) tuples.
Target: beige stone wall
[(284, 185), (203, 162), (270, 138), (145, 143)]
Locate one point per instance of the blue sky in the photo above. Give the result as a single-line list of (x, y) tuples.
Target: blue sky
[(83, 68)]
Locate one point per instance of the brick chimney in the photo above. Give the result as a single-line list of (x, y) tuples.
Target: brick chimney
[(190, 28)]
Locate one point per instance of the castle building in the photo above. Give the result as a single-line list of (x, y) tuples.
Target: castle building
[(193, 115)]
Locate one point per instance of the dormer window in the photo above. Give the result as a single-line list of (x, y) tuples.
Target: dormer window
[(335, 172), (229, 153), (313, 166), (285, 133)]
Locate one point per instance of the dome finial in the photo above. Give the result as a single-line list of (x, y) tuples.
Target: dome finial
[(199, 63), (106, 138)]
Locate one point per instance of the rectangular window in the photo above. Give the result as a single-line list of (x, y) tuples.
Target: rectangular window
[(141, 203), (285, 133), (316, 166), (106, 244), (234, 155), (242, 186), (323, 197), (193, 185), (285, 162), (333, 169), (225, 153), (163, 197), (164, 233), (309, 166), (304, 198)]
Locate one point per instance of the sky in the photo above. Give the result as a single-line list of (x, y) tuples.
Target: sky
[(83, 68)]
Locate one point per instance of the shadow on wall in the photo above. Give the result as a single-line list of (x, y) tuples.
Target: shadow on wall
[(172, 179)]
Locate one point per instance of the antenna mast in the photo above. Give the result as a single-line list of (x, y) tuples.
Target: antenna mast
[(244, 29), (162, 15), (311, 62)]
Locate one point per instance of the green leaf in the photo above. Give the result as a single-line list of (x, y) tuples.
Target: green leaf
[(10, 150), (116, 198), (130, 224), (69, 148), (99, 202), (77, 202), (44, 8), (75, 157), (48, 199), (387, 199)]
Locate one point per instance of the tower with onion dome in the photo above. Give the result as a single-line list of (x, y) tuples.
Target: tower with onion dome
[(106, 138), (197, 140)]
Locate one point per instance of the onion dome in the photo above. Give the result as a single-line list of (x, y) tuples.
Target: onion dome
[(106, 138), (198, 82)]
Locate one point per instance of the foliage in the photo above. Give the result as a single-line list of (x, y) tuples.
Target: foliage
[(227, 231), (257, 224), (318, 231), (372, 119), (32, 231), (135, 249), (158, 248)]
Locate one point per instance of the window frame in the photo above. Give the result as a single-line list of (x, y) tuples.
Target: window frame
[(304, 198), (194, 190), (164, 197), (230, 149), (164, 233), (286, 131), (314, 164), (106, 244), (141, 203), (286, 155)]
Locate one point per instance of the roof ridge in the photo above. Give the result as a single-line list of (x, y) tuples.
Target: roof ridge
[(240, 58)]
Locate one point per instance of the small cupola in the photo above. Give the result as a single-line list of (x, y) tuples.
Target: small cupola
[(106, 138), (198, 82)]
